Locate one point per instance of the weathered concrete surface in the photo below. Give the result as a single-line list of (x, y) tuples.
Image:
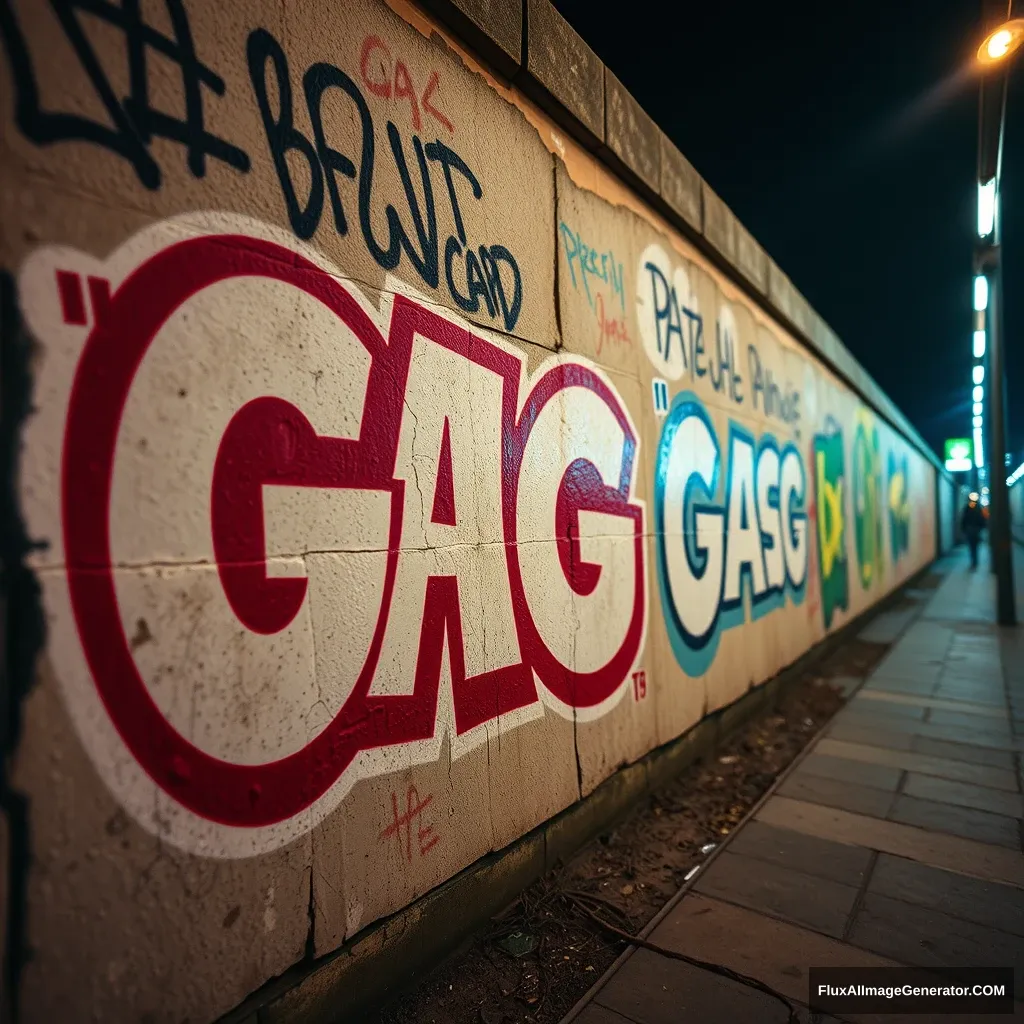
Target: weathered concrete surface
[(362, 485), (630, 133)]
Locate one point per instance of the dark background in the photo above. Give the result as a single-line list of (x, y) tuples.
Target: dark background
[(844, 136)]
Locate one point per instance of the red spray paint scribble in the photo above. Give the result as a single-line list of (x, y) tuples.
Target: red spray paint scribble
[(426, 838), (613, 330), (390, 79)]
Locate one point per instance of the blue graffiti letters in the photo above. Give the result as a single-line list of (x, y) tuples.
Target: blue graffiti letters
[(590, 263), (726, 377), (482, 276), (726, 533), (783, 404), (668, 317)]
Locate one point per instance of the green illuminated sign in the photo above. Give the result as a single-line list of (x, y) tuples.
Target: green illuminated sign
[(959, 448)]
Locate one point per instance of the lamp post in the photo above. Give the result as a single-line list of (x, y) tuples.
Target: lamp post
[(994, 55)]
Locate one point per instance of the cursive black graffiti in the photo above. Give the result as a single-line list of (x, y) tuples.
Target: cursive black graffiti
[(134, 122), (477, 277)]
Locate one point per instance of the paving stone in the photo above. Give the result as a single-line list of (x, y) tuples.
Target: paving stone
[(939, 849), (886, 627), (761, 947), (989, 733), (927, 938), (985, 903), (919, 761), (980, 826), (927, 787), (848, 795), (961, 689), (854, 732), (652, 989), (807, 854), (893, 684), (969, 753), (843, 769), (966, 720), (817, 903), (595, 1013), (877, 709), (934, 703)]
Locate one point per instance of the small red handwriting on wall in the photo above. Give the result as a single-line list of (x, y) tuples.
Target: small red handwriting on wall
[(639, 685), (390, 79), (72, 298), (610, 329), (401, 826)]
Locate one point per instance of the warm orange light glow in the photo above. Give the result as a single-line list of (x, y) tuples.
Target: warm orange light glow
[(1002, 42)]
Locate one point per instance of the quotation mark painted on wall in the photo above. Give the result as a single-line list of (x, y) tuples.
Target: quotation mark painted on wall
[(72, 298), (659, 388)]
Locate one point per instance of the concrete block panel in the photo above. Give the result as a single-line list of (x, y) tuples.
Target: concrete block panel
[(630, 133), (598, 275), (719, 223), (680, 184), (751, 259), (262, 652), (781, 293), (124, 925), (494, 28), (421, 200), (565, 66)]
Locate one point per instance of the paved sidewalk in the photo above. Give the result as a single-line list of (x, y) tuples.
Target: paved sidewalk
[(896, 841)]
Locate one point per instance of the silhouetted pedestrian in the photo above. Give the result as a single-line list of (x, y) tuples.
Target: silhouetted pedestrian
[(972, 522)]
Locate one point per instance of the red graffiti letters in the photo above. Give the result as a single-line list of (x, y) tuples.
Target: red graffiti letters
[(391, 80), (489, 519), (426, 838)]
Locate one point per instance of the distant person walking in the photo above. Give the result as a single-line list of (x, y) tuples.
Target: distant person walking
[(972, 522)]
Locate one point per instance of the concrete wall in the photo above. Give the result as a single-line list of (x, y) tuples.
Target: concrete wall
[(1016, 493), (947, 513), (392, 476)]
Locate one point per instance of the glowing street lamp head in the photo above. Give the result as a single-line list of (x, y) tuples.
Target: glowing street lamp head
[(1001, 43)]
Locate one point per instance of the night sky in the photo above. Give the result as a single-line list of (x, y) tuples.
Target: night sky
[(845, 138)]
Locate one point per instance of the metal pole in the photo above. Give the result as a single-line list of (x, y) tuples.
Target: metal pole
[(1000, 542)]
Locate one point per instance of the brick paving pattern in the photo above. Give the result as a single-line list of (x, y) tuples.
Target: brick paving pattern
[(896, 841)]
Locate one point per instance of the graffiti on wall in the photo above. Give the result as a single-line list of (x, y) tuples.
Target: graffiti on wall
[(436, 183), (731, 529), (830, 493), (673, 332), (478, 275), (393, 562), (867, 499), (599, 275), (132, 123), (899, 506)]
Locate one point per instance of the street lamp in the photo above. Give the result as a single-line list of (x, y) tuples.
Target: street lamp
[(1002, 42), (993, 59)]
